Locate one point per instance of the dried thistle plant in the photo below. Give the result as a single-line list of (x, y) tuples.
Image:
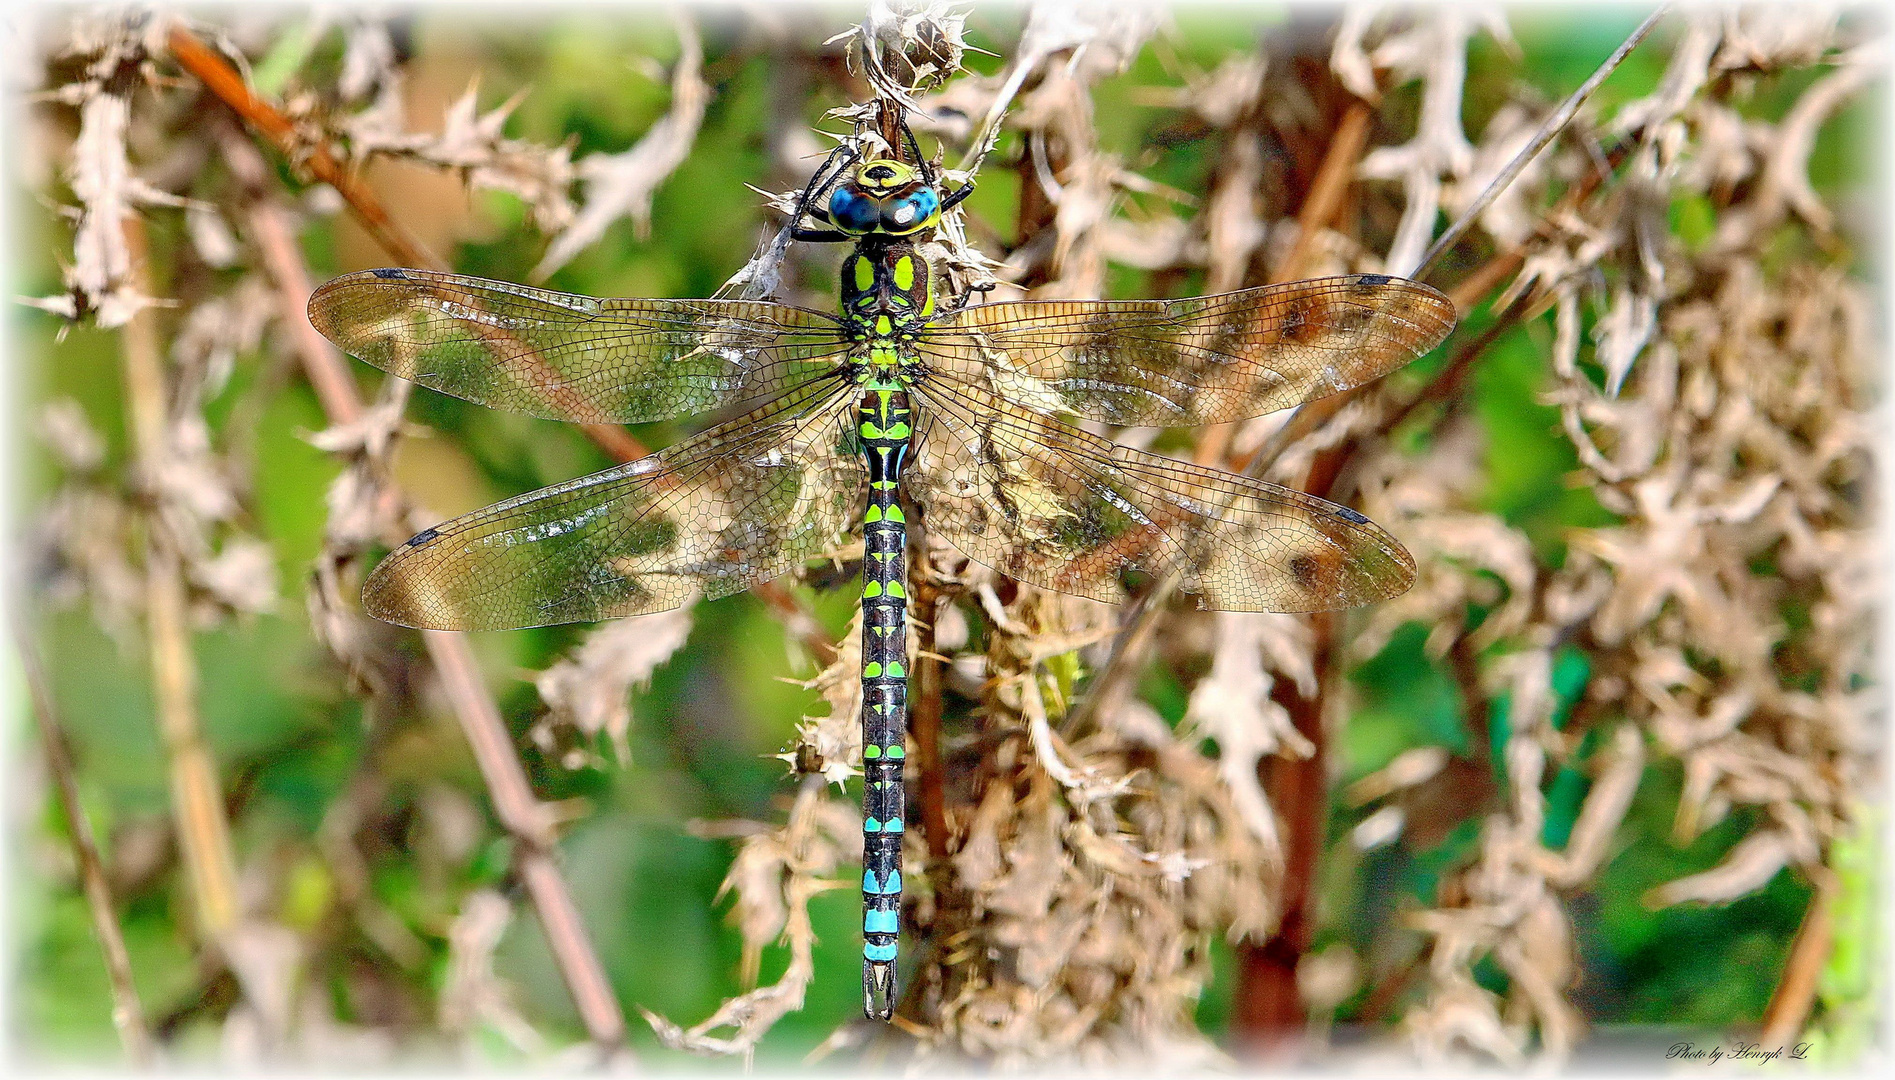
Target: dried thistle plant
[(1081, 854), (1057, 837)]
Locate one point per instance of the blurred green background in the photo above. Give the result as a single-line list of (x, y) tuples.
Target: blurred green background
[(291, 738)]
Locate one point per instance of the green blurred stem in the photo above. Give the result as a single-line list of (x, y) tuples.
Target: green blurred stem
[(286, 57)]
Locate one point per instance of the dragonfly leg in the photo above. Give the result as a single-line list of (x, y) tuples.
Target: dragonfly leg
[(955, 197), (825, 175), (819, 236)]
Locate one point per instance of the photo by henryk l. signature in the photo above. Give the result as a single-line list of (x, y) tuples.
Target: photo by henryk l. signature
[(1755, 1053)]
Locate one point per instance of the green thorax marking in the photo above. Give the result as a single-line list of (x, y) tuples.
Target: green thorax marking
[(887, 295)]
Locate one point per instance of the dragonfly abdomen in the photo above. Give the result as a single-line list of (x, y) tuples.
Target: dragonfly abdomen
[(885, 424)]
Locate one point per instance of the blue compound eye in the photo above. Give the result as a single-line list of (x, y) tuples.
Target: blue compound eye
[(911, 211), (852, 211)]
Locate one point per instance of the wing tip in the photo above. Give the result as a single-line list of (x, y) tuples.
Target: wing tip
[(1378, 543), (1380, 568), (388, 600), (322, 299), (401, 598), (1435, 300)]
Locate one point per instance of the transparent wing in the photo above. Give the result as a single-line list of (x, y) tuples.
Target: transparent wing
[(1057, 507), (570, 357), (1204, 360), (737, 505)]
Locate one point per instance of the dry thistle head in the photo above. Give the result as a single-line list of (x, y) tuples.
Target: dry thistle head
[(907, 48)]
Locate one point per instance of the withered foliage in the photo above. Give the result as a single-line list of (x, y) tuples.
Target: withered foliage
[(1080, 855)]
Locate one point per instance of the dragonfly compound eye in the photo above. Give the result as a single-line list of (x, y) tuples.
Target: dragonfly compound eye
[(854, 212), (911, 212)]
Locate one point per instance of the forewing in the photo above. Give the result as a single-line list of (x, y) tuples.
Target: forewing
[(570, 357), (1057, 507), (1203, 360), (737, 505)]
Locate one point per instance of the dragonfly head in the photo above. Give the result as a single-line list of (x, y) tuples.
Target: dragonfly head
[(885, 196)]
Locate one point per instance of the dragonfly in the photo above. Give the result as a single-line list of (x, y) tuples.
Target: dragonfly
[(910, 400)]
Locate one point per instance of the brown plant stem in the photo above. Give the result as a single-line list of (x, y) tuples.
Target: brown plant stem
[(515, 805), (223, 80), (197, 799), (1790, 1003), (522, 815), (1267, 972), (1326, 192), (1476, 712), (1267, 1010), (128, 1013), (276, 243), (213, 993), (1319, 211), (220, 78), (1384, 995), (1486, 278)]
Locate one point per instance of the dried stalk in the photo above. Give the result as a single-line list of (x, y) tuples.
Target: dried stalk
[(1549, 130), (1267, 1006), (128, 1013), (1325, 199), (198, 801), (220, 78), (1788, 1011), (1319, 211), (223, 80), (518, 810), (526, 819)]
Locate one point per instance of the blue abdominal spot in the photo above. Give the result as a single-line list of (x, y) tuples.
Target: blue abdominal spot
[(881, 953)]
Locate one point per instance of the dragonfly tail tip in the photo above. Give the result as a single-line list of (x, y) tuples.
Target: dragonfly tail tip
[(878, 989)]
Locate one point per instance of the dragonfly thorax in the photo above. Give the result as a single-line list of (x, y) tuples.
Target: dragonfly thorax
[(888, 291)]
